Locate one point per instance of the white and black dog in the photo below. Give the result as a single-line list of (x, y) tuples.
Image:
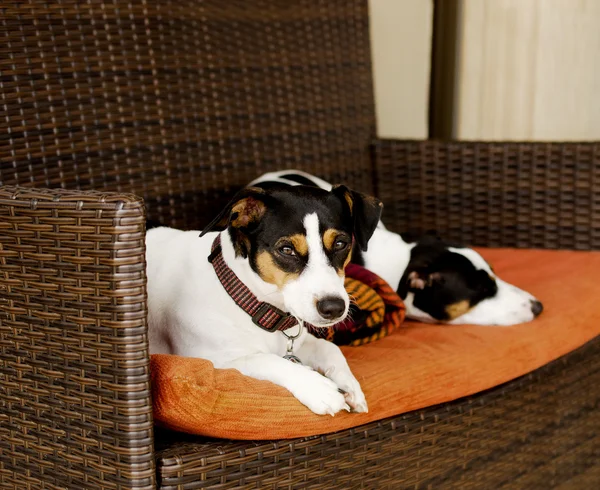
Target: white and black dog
[(224, 296), (438, 282)]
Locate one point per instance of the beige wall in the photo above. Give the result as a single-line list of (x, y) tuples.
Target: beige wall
[(401, 52), (528, 70)]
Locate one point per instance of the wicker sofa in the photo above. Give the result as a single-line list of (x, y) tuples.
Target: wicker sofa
[(114, 112)]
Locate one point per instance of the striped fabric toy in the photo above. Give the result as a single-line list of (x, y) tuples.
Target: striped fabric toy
[(376, 310)]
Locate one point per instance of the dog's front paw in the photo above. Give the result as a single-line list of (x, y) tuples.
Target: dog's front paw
[(320, 394), (356, 399), (353, 393)]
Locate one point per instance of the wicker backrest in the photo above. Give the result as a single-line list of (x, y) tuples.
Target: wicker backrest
[(532, 195), (183, 102)]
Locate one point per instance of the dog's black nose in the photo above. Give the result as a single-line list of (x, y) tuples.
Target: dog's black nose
[(536, 307), (331, 307)]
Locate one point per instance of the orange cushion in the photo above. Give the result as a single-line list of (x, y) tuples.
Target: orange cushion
[(417, 366)]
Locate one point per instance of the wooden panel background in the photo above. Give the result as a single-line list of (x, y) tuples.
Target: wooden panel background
[(528, 70)]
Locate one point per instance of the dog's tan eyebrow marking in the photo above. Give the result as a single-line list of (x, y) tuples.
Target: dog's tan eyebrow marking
[(269, 272), (299, 242), (329, 237), (457, 309)]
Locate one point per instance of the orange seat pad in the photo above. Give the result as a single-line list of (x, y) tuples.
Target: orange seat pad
[(417, 366)]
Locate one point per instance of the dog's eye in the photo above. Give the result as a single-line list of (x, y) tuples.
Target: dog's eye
[(340, 245), (287, 250)]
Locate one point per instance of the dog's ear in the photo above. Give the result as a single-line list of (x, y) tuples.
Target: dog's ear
[(420, 279), (243, 211), (365, 210)]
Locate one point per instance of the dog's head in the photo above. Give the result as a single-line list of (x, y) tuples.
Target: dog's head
[(300, 239), (456, 285)]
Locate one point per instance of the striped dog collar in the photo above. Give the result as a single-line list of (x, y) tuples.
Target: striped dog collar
[(264, 315)]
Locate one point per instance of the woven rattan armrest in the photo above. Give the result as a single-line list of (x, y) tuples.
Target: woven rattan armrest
[(74, 364), (530, 195)]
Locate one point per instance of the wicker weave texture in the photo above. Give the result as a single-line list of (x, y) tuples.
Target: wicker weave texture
[(183, 102), (533, 195), (75, 407), (539, 431)]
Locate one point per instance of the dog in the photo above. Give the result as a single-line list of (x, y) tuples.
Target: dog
[(439, 282), (278, 250)]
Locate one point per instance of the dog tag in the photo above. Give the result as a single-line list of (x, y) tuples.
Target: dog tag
[(289, 351), (292, 358)]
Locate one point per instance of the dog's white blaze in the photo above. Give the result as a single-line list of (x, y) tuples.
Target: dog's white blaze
[(279, 177), (318, 280)]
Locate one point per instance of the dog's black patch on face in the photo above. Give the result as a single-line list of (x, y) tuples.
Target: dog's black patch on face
[(445, 284)]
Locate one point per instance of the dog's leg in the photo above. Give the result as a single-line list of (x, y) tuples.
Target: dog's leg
[(327, 358), (318, 393)]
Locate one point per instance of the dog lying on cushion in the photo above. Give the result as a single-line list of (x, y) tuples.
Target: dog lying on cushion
[(438, 282), (225, 296)]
